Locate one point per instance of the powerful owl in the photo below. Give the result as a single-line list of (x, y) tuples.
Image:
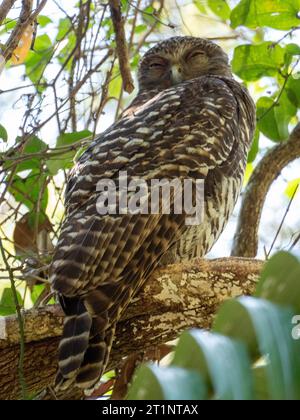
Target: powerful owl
[(190, 120)]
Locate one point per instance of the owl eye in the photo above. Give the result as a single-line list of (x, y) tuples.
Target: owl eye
[(194, 54), (156, 64)]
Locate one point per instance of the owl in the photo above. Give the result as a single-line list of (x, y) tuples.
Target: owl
[(189, 120)]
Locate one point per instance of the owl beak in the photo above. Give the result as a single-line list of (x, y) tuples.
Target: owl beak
[(176, 74)]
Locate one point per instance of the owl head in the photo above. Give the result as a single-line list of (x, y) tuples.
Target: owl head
[(181, 58)]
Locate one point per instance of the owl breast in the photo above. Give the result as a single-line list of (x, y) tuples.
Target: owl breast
[(219, 202)]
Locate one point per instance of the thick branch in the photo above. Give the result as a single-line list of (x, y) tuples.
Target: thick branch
[(121, 45), (177, 297), (266, 172)]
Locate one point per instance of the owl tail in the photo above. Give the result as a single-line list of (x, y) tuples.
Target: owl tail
[(75, 340), (86, 342)]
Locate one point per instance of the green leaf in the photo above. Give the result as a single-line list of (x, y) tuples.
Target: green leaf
[(220, 8), (155, 383), (255, 147), (37, 60), (292, 188), (33, 145), (230, 380), (36, 292), (43, 20), (280, 281), (140, 28), (7, 303), (3, 133), (274, 118), (293, 49), (266, 330), (277, 14), (293, 91), (251, 62), (8, 24), (64, 27), (28, 190), (201, 6), (66, 159)]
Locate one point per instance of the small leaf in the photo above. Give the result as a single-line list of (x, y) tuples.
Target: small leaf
[(248, 172), (274, 118), (293, 91), (43, 20), (3, 133), (292, 188)]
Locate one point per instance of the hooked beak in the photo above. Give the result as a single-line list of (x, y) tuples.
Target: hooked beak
[(176, 74)]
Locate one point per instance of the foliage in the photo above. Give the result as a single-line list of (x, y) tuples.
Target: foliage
[(251, 353)]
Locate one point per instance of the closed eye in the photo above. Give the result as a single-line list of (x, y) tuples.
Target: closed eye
[(196, 53), (156, 64)]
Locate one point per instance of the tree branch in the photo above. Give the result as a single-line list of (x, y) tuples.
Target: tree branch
[(121, 45), (269, 168), (26, 18), (177, 297), (5, 7)]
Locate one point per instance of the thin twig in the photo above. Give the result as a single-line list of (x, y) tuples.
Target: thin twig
[(20, 322), (282, 221)]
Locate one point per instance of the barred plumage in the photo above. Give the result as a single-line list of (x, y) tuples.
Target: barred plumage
[(191, 119)]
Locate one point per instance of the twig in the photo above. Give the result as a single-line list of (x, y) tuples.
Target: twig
[(20, 323), (121, 45), (282, 221)]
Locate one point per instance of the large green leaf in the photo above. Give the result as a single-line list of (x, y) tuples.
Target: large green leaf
[(280, 280), (171, 383), (266, 328), (220, 8), (278, 14), (274, 118), (251, 62), (230, 380)]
